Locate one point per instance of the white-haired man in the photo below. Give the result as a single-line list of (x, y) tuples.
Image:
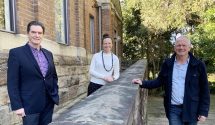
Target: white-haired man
[(185, 82)]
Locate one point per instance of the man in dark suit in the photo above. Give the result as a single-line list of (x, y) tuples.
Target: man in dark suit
[(32, 79), (184, 77)]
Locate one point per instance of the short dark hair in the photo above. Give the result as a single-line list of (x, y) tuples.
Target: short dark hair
[(106, 35), (35, 23)]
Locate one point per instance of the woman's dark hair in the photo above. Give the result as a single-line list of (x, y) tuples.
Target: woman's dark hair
[(105, 36), (35, 23)]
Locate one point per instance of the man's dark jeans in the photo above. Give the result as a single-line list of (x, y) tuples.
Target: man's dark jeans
[(175, 116)]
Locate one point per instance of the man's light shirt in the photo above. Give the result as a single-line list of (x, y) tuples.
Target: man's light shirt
[(178, 82)]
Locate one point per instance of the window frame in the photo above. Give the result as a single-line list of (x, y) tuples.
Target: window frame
[(12, 17), (66, 24), (92, 34)]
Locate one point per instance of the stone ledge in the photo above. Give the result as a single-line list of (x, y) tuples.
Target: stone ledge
[(117, 103)]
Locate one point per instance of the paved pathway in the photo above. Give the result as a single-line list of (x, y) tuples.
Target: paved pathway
[(156, 114)]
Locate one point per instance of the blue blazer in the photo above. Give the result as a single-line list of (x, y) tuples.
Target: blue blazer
[(196, 97), (27, 88)]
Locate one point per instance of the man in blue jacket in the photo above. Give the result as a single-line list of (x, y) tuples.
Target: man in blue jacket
[(32, 79), (185, 82)]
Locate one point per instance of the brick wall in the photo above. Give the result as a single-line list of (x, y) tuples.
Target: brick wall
[(44, 11), (79, 20), (91, 10), (111, 22), (72, 23), (25, 13), (80, 12), (106, 19)]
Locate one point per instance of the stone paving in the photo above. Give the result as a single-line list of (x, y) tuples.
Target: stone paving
[(156, 114)]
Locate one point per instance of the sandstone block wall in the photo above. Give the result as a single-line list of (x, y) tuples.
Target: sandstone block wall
[(73, 81)]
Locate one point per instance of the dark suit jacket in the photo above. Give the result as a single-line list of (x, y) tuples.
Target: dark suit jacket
[(27, 88), (196, 97)]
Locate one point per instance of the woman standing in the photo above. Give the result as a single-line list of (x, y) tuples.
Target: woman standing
[(104, 67)]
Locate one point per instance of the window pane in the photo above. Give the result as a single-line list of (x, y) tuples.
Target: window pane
[(2, 14), (60, 21), (7, 15), (92, 39)]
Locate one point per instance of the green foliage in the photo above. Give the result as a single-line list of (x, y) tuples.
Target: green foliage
[(203, 38), (163, 15), (134, 35), (148, 25), (141, 41)]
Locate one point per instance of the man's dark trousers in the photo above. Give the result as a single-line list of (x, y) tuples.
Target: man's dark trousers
[(43, 118)]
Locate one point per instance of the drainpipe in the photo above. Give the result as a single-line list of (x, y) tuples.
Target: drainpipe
[(100, 25)]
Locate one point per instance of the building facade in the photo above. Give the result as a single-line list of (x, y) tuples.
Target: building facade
[(74, 30)]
